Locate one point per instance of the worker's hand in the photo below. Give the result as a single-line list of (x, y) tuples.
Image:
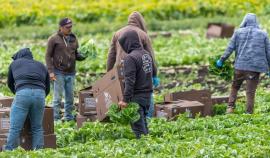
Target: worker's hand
[(52, 77), (219, 63), (268, 74), (122, 104), (156, 81), (80, 57)]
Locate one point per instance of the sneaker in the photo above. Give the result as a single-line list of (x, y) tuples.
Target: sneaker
[(229, 110)]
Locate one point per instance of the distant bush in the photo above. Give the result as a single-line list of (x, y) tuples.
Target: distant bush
[(19, 12)]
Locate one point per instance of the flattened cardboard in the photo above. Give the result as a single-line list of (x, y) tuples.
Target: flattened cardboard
[(115, 74), (108, 90), (112, 94)]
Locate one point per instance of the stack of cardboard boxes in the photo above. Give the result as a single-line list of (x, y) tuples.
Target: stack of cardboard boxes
[(26, 135), (170, 110), (202, 96), (86, 107), (193, 102)]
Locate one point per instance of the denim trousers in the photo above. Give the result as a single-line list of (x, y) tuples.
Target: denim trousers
[(140, 127), (31, 103), (63, 87), (151, 110)]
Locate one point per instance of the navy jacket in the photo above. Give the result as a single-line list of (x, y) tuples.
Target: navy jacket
[(25, 72)]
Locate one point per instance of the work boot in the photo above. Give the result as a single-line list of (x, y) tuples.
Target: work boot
[(229, 110)]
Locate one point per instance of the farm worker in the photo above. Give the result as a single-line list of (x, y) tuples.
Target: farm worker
[(62, 53), (138, 72), (252, 57), (116, 53), (29, 81)]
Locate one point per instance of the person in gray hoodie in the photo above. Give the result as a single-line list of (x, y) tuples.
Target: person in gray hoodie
[(252, 57)]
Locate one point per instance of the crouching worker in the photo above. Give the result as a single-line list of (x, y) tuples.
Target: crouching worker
[(252, 57), (138, 72), (30, 82)]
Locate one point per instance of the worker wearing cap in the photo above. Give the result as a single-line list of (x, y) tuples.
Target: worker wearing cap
[(61, 58)]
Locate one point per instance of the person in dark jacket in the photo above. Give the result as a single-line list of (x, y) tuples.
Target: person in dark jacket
[(252, 57), (116, 54), (30, 82), (138, 72), (62, 53)]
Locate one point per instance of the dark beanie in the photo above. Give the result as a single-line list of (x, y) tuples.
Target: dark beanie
[(65, 21)]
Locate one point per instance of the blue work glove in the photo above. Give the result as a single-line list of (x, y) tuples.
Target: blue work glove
[(155, 81), (219, 63)]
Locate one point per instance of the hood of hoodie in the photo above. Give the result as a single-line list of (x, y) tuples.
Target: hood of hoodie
[(136, 19), (250, 20), (23, 53), (130, 41)]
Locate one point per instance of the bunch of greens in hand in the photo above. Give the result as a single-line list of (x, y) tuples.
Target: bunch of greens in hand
[(124, 116), (88, 49), (225, 72)]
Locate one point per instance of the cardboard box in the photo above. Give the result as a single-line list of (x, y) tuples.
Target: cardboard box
[(81, 119), (171, 110), (49, 141), (87, 102), (219, 30), (221, 99), (4, 120), (203, 96), (3, 141), (108, 90), (48, 123), (110, 95), (6, 101), (115, 74)]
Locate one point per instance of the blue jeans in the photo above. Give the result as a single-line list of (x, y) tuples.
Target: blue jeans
[(151, 107), (63, 86), (140, 127), (29, 102)]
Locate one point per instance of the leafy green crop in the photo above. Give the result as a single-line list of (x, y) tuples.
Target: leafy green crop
[(225, 72), (88, 49), (125, 116), (219, 109)]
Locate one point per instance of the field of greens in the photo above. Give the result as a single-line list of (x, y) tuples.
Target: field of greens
[(183, 61)]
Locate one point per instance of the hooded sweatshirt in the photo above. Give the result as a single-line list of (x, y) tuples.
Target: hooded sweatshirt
[(24, 72), (251, 46), (138, 67), (61, 53), (135, 23)]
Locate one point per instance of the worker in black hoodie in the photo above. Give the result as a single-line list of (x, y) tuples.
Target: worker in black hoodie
[(138, 73), (30, 82)]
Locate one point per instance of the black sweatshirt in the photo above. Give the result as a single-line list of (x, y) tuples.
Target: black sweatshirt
[(24, 72), (138, 67)]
